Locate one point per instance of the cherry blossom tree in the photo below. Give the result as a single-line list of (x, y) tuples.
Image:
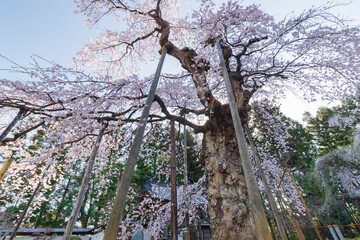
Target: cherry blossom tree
[(339, 168), (316, 52)]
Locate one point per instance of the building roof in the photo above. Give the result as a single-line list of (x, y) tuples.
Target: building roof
[(157, 189)]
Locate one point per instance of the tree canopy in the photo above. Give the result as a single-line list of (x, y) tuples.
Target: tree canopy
[(316, 52)]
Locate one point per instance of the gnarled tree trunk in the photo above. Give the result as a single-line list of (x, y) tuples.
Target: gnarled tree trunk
[(228, 199)]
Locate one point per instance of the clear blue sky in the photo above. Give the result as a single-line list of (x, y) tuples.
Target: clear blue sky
[(50, 28)]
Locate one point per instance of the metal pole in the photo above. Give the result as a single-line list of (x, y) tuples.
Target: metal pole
[(186, 191), (303, 202), (174, 224), (119, 202), (255, 206), (12, 124), (272, 202)]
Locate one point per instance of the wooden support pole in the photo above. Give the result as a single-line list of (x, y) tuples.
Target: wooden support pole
[(291, 219), (186, 190), (9, 161), (303, 202), (271, 199), (174, 224), (13, 123), (13, 234), (255, 206), (84, 185), (5, 168), (298, 230), (111, 230)]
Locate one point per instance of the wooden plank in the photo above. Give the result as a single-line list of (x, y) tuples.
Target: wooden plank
[(256, 207), (174, 224), (271, 199)]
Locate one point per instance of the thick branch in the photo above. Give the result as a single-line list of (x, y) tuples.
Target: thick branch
[(181, 120), (17, 135), (186, 58)]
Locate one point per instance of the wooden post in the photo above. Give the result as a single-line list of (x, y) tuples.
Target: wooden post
[(174, 224), (255, 206), (186, 190), (111, 230), (303, 202), (13, 234), (84, 185), (13, 123), (271, 199), (5, 167), (298, 230)]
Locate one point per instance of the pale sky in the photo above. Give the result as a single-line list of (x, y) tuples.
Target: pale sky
[(50, 29)]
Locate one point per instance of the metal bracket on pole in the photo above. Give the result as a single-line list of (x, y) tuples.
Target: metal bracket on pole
[(256, 207)]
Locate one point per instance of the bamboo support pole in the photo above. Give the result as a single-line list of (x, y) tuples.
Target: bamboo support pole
[(13, 123), (291, 219), (111, 230), (5, 168), (256, 207), (271, 199), (84, 185), (303, 202)]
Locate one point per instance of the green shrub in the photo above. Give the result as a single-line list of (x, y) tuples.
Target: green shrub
[(75, 238)]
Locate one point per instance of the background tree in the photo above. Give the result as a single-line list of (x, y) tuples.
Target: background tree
[(333, 127)]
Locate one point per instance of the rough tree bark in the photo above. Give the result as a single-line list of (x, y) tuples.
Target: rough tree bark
[(255, 201), (228, 198)]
